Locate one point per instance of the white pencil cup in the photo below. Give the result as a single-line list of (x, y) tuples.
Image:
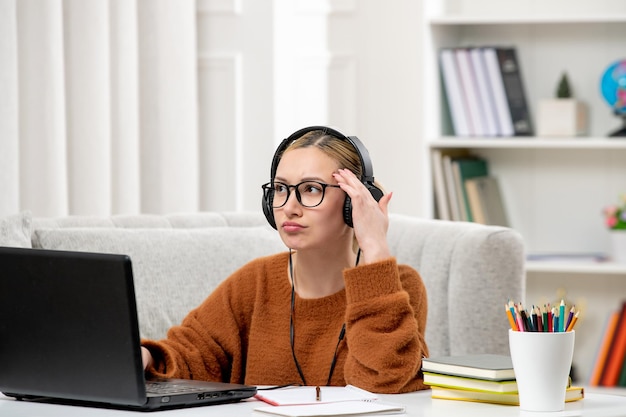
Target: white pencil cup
[(542, 363)]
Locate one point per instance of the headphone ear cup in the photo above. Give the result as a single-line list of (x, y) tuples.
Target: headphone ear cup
[(266, 205), (347, 211), (376, 192)]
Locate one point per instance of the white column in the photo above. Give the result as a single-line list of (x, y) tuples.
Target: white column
[(125, 187), (168, 105), (88, 106), (42, 107), (9, 133)]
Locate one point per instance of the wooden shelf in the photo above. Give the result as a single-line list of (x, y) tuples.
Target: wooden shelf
[(534, 142), (600, 268), (457, 20)]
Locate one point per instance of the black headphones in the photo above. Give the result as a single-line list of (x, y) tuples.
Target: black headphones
[(367, 177)]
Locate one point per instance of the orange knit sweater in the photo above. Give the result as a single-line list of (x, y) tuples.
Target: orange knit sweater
[(240, 333)]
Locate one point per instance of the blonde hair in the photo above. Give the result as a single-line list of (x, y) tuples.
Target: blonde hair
[(340, 150)]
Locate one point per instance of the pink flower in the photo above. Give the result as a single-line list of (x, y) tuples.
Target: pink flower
[(611, 221)]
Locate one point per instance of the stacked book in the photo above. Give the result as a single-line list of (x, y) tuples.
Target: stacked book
[(480, 378), (484, 91)]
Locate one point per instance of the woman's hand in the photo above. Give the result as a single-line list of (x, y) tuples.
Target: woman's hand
[(146, 358), (369, 217)]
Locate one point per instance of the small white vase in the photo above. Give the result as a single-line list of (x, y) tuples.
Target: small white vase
[(618, 246)]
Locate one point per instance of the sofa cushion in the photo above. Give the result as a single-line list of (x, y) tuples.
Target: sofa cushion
[(181, 266), (15, 230)]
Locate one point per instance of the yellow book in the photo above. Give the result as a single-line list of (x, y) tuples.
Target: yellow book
[(475, 384), (572, 394)]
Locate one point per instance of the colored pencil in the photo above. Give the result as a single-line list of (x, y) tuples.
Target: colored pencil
[(572, 323), (509, 315)]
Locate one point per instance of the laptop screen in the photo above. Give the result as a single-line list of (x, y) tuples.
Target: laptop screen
[(68, 326)]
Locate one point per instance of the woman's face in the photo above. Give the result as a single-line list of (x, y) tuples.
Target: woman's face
[(311, 227)]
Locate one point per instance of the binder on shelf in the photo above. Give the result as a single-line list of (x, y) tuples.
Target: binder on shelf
[(451, 189), (464, 169), (444, 211), (603, 348), (486, 201), (506, 80), (485, 92), (454, 92), (475, 109), (617, 352)]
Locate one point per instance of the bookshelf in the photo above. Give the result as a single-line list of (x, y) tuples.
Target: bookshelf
[(553, 188)]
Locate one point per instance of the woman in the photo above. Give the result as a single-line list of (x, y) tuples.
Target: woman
[(336, 309)]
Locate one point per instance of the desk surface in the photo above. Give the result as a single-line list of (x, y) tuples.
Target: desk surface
[(418, 404)]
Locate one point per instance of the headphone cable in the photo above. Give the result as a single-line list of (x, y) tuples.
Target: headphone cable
[(342, 333)]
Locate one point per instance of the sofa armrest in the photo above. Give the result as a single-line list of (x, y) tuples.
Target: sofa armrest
[(470, 271)]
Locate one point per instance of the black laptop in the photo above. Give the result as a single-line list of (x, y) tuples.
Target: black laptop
[(69, 333)]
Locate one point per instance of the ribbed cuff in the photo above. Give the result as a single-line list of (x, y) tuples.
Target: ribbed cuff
[(365, 282)]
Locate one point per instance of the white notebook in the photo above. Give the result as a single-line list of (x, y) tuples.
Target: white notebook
[(332, 401), (346, 408)]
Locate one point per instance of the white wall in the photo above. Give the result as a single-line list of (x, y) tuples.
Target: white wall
[(125, 106), (288, 64)]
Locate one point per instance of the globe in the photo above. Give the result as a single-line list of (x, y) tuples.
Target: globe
[(613, 88)]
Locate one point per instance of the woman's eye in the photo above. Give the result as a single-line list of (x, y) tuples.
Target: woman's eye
[(312, 188), (280, 188)]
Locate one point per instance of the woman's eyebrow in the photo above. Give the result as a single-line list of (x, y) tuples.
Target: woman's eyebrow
[(311, 178)]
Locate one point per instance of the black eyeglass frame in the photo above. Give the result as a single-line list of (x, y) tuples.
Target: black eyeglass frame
[(270, 189)]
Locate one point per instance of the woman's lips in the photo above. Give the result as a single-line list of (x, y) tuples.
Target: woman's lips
[(292, 227)]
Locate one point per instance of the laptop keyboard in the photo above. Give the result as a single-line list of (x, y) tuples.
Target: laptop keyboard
[(171, 388)]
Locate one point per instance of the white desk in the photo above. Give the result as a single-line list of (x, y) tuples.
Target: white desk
[(418, 404)]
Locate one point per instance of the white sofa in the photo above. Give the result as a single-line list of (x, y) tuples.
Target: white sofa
[(469, 270)]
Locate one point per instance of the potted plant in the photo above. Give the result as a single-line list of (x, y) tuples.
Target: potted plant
[(615, 220), (562, 116)]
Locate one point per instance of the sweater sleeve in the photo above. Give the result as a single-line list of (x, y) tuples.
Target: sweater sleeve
[(197, 348), (386, 320)]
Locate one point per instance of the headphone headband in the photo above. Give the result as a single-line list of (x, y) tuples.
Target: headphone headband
[(364, 155)]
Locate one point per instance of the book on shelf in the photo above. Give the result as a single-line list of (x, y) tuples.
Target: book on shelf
[(603, 348), (482, 366), (572, 393), (485, 92), (496, 83), (451, 189), (463, 169), (616, 353), (442, 206), (474, 107), (461, 382), (454, 93), (506, 81), (485, 201), (444, 184)]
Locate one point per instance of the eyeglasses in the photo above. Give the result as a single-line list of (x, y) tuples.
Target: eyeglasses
[(308, 193)]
